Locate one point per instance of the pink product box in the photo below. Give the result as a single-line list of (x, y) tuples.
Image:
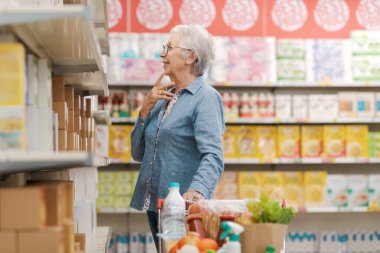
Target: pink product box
[(141, 69)]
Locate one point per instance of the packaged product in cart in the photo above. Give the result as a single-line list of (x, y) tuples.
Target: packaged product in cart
[(249, 184), (230, 142), (337, 195), (315, 188), (120, 143), (358, 190), (272, 185), (266, 142), (334, 138), (293, 188), (288, 141), (246, 142), (312, 140), (374, 190), (357, 141)]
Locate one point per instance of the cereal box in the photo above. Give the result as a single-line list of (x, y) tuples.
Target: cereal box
[(334, 138), (357, 141), (227, 187), (312, 140), (288, 141), (358, 190), (246, 142), (249, 184), (266, 142), (272, 185), (119, 144), (293, 188), (230, 142), (337, 191), (315, 188)]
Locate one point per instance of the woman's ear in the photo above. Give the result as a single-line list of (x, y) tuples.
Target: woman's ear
[(192, 58)]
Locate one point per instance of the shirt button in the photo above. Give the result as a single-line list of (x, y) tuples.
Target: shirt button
[(151, 163)]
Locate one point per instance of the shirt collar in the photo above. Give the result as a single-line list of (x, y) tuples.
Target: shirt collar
[(195, 85)]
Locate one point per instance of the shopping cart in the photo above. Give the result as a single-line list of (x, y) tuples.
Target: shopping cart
[(160, 205)]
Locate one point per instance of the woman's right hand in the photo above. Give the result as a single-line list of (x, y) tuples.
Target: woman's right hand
[(158, 92)]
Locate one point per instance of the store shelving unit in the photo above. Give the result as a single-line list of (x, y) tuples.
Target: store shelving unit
[(103, 236)]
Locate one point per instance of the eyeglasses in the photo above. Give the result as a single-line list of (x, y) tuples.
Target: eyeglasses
[(166, 48)]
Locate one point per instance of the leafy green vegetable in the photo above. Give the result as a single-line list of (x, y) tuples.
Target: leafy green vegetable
[(270, 211)]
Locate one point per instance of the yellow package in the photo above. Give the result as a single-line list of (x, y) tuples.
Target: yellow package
[(288, 141), (249, 184), (119, 143), (273, 185), (315, 188), (357, 141), (246, 142), (230, 142), (293, 188), (334, 138), (312, 139), (266, 142)]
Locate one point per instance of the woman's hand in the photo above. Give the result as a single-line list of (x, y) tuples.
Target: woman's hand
[(156, 93), (192, 195)]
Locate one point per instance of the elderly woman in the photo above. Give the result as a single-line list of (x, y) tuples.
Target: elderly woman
[(178, 134)]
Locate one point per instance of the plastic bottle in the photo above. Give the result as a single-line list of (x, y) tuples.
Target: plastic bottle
[(231, 230), (173, 214)]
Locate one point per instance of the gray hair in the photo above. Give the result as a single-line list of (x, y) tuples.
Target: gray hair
[(199, 40)]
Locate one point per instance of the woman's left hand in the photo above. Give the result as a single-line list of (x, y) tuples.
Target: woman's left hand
[(192, 195)]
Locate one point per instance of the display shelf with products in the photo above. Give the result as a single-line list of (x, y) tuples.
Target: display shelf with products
[(102, 117), (102, 240), (66, 36)]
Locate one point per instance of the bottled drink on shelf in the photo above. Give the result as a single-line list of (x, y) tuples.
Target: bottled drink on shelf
[(173, 214)]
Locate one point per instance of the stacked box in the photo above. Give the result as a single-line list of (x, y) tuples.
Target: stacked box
[(120, 144), (227, 187), (249, 184), (315, 188), (374, 144)]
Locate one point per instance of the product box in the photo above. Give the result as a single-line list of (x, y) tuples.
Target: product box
[(58, 88), (62, 140), (266, 142), (291, 60), (293, 189), (68, 237), (374, 144), (334, 137), (23, 208), (227, 187), (120, 148), (377, 104), (272, 184), (78, 176), (70, 121), (365, 104), (315, 188), (288, 141), (300, 107), (102, 140), (8, 242), (81, 239), (337, 195), (83, 124), (12, 129), (41, 241), (106, 188), (374, 190), (246, 142), (357, 141), (71, 141), (69, 96), (122, 202), (283, 105), (347, 104), (77, 100), (77, 123), (315, 106), (249, 184), (61, 109), (106, 176), (365, 42), (88, 108), (365, 68), (230, 142), (312, 141), (105, 202), (357, 190)]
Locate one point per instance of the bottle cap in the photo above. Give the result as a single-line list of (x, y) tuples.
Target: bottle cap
[(173, 185), (270, 249)]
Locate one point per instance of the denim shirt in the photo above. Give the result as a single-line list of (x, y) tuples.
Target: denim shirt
[(188, 149)]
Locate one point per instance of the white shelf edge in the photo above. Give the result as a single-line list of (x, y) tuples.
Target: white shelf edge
[(119, 211), (28, 162), (336, 210)]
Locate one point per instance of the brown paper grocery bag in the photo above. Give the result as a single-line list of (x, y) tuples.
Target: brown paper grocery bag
[(256, 237)]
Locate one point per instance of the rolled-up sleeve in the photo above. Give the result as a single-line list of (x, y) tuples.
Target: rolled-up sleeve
[(209, 127), (138, 139)]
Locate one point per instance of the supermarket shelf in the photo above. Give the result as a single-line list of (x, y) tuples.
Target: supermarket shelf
[(100, 243), (336, 210), (65, 35), (273, 121), (119, 211), (253, 161), (102, 117), (266, 84), (27, 162)]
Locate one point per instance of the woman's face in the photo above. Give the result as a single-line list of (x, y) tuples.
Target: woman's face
[(174, 61)]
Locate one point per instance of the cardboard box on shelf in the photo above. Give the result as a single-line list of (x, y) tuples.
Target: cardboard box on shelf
[(91, 183), (293, 189), (315, 188), (357, 190), (69, 96), (77, 124), (81, 240), (334, 141), (229, 142), (68, 236), (77, 100), (23, 208), (61, 109), (357, 141), (62, 140), (83, 123), (58, 88), (88, 113), (272, 184), (374, 190), (120, 146), (42, 241), (266, 142), (365, 104), (84, 144), (337, 195), (8, 242), (300, 107), (247, 142), (249, 184), (347, 104), (312, 141), (71, 141), (90, 144), (78, 176), (288, 141), (82, 106), (283, 105), (70, 121)]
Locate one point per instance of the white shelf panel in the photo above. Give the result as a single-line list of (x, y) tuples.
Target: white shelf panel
[(27, 162), (119, 211), (66, 36), (101, 240), (273, 121), (335, 210)]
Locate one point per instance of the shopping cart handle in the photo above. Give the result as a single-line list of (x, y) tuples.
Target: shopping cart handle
[(160, 203)]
